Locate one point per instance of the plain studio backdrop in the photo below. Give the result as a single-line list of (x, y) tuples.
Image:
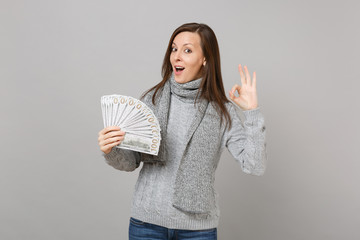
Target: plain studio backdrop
[(57, 58)]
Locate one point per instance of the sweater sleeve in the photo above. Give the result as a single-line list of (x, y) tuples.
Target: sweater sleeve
[(246, 141), (123, 159)]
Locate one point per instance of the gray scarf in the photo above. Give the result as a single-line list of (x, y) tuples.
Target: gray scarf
[(185, 91), (194, 183)]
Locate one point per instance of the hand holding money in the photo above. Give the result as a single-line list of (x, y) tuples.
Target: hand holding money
[(109, 137), (133, 117)]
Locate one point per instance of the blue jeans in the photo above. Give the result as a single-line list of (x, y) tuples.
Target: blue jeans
[(139, 230)]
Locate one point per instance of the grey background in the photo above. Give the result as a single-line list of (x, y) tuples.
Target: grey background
[(59, 57)]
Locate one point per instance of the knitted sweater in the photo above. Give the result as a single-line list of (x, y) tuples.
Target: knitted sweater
[(154, 187)]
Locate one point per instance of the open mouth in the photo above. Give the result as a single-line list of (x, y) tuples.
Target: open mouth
[(179, 69)]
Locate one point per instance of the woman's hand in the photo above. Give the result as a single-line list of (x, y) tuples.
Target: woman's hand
[(110, 137), (247, 98)]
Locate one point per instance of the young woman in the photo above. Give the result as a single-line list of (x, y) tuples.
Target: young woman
[(174, 195)]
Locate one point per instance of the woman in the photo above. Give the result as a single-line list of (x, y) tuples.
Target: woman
[(174, 196)]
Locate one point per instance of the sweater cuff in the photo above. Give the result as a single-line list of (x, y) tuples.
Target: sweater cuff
[(253, 114), (111, 155)]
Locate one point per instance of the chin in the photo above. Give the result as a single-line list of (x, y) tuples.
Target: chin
[(180, 80)]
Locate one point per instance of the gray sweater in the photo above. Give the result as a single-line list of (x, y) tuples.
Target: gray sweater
[(155, 185)]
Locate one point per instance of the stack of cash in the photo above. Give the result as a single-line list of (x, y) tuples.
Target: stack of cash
[(135, 119)]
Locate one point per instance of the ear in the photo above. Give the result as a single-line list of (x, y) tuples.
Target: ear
[(204, 63)]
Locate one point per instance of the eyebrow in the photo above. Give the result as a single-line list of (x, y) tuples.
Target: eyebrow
[(183, 44)]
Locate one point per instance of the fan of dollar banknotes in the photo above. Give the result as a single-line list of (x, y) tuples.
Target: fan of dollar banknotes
[(135, 119)]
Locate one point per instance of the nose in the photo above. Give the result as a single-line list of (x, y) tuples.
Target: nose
[(177, 56)]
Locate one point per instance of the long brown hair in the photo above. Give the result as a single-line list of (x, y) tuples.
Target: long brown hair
[(211, 86)]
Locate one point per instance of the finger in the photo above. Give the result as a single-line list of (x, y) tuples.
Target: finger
[(110, 135), (234, 88), (106, 148), (115, 143), (114, 134), (231, 95), (108, 129), (254, 80), (248, 78), (242, 76), (232, 92), (112, 140)]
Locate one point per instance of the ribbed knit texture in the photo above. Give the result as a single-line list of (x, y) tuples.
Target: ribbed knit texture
[(153, 195)]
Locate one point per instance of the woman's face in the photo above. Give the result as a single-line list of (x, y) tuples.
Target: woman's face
[(186, 57)]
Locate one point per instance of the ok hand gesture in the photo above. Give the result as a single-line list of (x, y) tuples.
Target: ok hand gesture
[(247, 98)]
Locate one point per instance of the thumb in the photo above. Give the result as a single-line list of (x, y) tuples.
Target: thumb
[(231, 95)]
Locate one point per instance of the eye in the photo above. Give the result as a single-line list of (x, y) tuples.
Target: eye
[(188, 50), (173, 49)]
